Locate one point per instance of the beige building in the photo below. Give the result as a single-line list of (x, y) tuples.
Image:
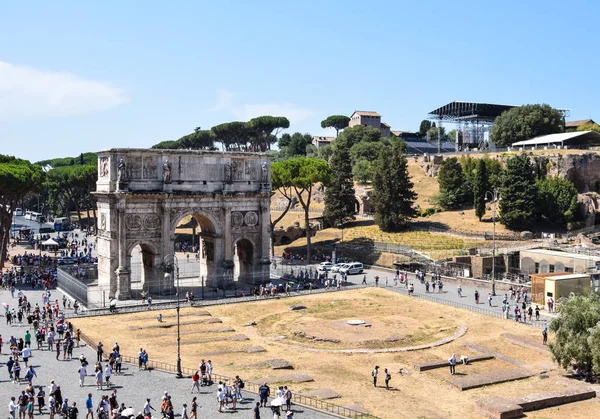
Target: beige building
[(321, 141), (558, 285), (543, 261), (369, 119)]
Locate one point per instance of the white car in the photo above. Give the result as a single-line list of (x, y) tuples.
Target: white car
[(325, 266), (352, 268), (337, 267)]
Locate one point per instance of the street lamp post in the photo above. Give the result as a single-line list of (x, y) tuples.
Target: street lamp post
[(172, 268), (495, 196)]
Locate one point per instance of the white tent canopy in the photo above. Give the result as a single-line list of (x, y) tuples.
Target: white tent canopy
[(563, 138), (50, 242)]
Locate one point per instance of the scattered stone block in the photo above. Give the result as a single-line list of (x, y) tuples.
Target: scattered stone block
[(255, 349), (253, 323), (553, 398), (525, 342), (497, 355), (443, 364), (323, 394), (498, 408), (494, 377), (290, 378), (236, 338), (275, 364), (296, 307)]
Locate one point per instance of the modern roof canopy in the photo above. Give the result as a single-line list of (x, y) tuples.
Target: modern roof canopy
[(577, 138), (469, 111)]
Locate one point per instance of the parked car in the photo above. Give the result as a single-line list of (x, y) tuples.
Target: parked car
[(325, 266), (352, 268), (64, 260), (337, 267)]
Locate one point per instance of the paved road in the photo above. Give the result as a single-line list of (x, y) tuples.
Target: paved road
[(133, 386)]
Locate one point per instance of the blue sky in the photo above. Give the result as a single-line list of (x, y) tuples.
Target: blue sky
[(85, 76)]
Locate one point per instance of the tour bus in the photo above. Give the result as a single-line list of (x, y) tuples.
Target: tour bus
[(18, 212), (61, 224)]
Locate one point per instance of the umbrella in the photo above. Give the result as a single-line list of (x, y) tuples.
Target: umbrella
[(113, 302), (277, 402), (5, 305), (128, 412)]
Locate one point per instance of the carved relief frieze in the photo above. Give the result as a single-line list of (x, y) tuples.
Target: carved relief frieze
[(103, 166), (150, 170), (152, 222), (133, 222), (134, 168)]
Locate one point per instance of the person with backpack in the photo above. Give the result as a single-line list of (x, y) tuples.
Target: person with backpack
[(239, 386)]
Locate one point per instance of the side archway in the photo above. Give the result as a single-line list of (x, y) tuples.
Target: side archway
[(244, 260), (144, 265)]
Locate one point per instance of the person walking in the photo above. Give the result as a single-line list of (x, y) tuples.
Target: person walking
[(89, 406), (374, 375), (545, 335), (287, 394), (12, 408), (256, 411), (194, 408), (148, 408), (452, 362), (82, 373), (195, 382), (264, 392), (387, 379), (476, 297), (99, 351), (537, 312), (490, 299)]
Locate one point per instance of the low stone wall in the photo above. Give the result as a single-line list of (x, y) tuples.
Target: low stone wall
[(494, 377), (508, 408), (444, 364)]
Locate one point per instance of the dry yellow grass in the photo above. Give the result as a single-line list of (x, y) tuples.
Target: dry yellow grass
[(415, 395)]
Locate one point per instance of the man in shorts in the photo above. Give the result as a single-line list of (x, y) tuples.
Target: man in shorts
[(89, 406)]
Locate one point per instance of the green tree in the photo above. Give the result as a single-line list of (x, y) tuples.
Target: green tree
[(519, 205), (281, 181), (264, 131), (424, 127), (339, 194), (337, 122), (480, 187), (295, 144), (363, 171), (432, 133), (325, 152), (393, 196), (590, 126), (17, 179), (558, 200), (451, 136), (358, 134), (232, 135), (70, 189), (577, 333), (451, 181), (167, 145), (306, 173), (366, 151), (525, 122)]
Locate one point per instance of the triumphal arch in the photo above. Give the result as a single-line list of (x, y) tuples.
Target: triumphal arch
[(143, 194)]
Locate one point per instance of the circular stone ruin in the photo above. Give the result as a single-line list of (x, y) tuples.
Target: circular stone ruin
[(356, 322)]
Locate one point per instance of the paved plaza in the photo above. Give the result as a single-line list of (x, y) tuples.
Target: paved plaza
[(133, 386)]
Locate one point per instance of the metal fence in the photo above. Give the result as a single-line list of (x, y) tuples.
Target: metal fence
[(481, 310), (250, 386), (73, 286)]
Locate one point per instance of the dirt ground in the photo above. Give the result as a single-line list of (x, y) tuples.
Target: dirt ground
[(413, 395)]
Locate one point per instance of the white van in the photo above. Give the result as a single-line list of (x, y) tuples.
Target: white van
[(352, 268)]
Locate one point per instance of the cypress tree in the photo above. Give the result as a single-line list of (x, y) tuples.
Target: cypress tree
[(519, 205), (339, 195), (480, 187), (393, 196)]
